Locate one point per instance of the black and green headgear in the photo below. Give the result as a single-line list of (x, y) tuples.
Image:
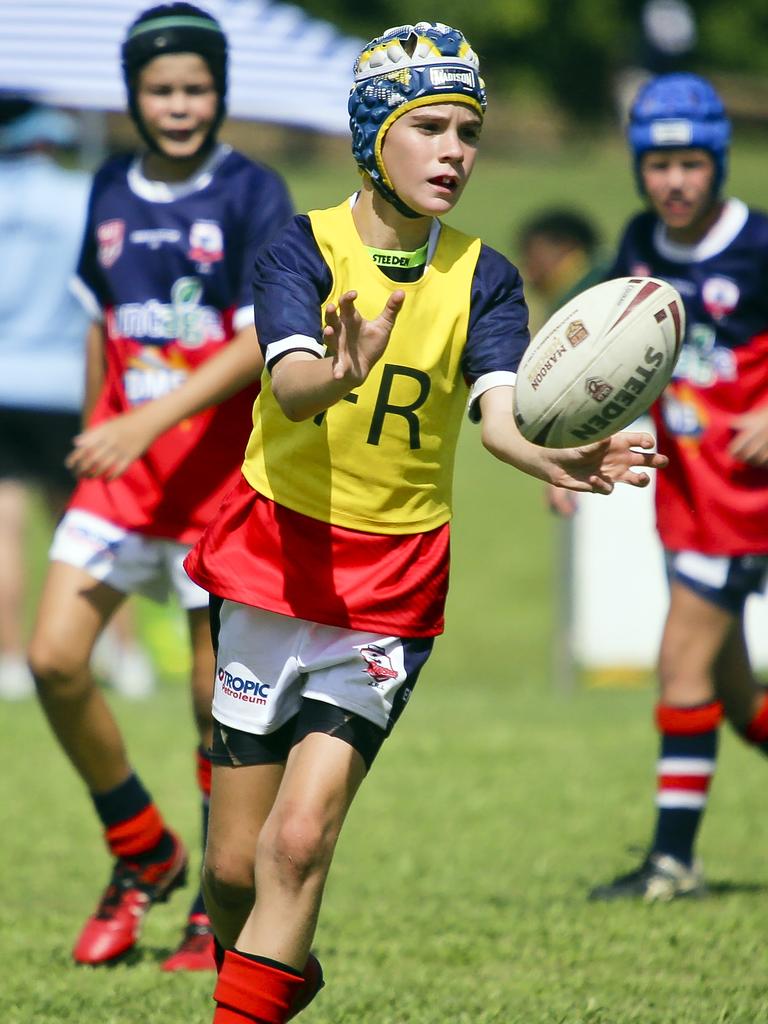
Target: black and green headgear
[(175, 28)]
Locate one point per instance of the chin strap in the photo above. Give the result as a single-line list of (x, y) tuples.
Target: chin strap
[(394, 199)]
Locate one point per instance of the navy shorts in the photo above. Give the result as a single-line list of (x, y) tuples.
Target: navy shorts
[(726, 581)]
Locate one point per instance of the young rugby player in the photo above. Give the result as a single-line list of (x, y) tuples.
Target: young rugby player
[(329, 560), (712, 501), (559, 250), (165, 270)]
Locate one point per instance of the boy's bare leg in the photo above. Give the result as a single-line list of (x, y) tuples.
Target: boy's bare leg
[(72, 612), (296, 845)]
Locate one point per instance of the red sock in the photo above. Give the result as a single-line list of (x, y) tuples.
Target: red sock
[(203, 763), (136, 836), (249, 991), (133, 826), (757, 730)]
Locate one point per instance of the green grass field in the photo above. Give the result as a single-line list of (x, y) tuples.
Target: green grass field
[(458, 891)]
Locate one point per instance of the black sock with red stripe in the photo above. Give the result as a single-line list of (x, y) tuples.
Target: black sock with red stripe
[(689, 739), (133, 826)]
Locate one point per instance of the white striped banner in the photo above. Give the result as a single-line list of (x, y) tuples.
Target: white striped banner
[(285, 67)]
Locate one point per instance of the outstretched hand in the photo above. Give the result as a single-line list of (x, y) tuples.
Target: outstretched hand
[(600, 466), (109, 448), (750, 440), (358, 344)]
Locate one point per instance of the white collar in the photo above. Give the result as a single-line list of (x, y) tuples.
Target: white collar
[(727, 226), (169, 191)]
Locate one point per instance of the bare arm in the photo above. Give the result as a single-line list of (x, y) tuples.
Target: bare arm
[(594, 467), (304, 386), (109, 448)]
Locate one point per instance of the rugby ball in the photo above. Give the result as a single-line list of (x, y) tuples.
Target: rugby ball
[(599, 362)]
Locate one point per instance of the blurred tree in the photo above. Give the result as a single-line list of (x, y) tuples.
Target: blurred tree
[(571, 50)]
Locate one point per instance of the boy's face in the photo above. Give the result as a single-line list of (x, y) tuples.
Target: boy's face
[(178, 103), (429, 153), (679, 185)]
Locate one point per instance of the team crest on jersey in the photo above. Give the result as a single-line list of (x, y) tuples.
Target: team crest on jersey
[(378, 664), (598, 388), (206, 243), (720, 296), (110, 235)]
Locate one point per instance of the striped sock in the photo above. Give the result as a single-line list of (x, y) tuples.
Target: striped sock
[(686, 765), (133, 826), (756, 732)]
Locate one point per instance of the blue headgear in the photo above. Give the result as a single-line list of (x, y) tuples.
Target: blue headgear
[(679, 111), (406, 67)]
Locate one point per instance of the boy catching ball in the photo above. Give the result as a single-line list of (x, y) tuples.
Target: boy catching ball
[(329, 560)]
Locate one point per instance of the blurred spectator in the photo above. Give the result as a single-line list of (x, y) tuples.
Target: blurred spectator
[(559, 256), (669, 35), (666, 38), (42, 333)]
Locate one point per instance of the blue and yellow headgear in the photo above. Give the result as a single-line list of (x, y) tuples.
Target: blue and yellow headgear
[(408, 66)]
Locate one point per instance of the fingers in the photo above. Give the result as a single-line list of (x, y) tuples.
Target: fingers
[(600, 485), (636, 479), (637, 439), (561, 501), (347, 309), (331, 319), (95, 455), (648, 460), (391, 309), (750, 448)]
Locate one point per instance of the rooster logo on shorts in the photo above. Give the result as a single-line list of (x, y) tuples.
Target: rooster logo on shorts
[(378, 664)]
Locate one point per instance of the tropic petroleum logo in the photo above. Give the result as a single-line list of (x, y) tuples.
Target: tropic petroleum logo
[(249, 690)]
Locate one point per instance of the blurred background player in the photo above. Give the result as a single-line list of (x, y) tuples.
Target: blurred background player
[(559, 256), (330, 558), (42, 334), (165, 272), (42, 356), (712, 421), (664, 40)]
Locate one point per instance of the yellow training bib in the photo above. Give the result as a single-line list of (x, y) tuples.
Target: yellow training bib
[(381, 460)]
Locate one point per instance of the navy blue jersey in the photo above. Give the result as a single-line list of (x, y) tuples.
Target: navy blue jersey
[(168, 268), (706, 500), (143, 237)]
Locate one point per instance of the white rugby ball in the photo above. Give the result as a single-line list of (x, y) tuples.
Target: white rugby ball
[(599, 362)]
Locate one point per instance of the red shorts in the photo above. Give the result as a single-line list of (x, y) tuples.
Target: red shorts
[(259, 553)]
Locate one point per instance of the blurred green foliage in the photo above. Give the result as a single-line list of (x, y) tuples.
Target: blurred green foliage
[(569, 50)]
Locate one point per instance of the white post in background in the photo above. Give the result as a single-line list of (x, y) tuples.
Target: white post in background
[(618, 595)]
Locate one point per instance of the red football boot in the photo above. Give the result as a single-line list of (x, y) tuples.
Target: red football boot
[(313, 982), (114, 929), (196, 950)]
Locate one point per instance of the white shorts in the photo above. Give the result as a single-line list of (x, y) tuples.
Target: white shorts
[(128, 561), (267, 663)]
